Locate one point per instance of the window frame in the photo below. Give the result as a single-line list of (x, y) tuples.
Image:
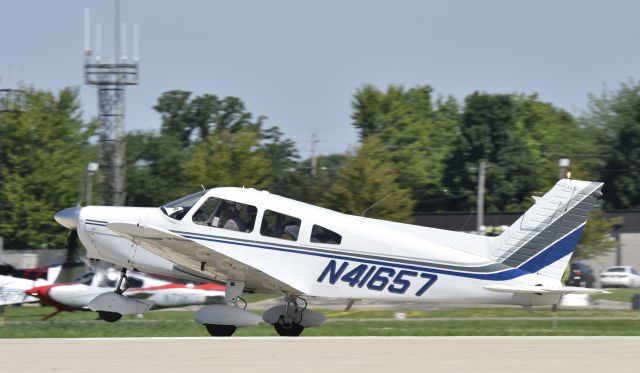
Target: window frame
[(222, 201), (326, 229), (286, 223)]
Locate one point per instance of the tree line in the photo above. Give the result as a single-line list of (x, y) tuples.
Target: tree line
[(418, 152)]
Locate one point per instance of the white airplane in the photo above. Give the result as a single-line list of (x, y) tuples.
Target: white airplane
[(157, 293), (12, 289), (253, 240)]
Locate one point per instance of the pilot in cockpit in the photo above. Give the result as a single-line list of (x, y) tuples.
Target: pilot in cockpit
[(237, 217)]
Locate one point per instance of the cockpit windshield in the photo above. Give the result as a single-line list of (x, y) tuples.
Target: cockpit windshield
[(179, 208)]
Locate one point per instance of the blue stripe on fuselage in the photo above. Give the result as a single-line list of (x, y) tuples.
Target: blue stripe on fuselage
[(497, 276), (543, 259)]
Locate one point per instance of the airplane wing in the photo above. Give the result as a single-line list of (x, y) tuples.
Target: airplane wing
[(541, 290), (189, 256)]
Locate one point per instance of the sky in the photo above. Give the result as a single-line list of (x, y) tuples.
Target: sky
[(299, 62)]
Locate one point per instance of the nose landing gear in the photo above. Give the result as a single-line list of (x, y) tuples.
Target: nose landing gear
[(112, 305), (123, 285)]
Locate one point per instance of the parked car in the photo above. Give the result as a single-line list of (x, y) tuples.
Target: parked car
[(620, 276), (581, 275)]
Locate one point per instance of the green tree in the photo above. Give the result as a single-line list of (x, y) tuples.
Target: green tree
[(614, 119), (417, 131), (283, 155), (154, 172), (303, 186), (521, 140), (596, 237), (551, 133), (191, 120), (190, 129), (44, 154), (489, 133), (228, 158), (367, 178)]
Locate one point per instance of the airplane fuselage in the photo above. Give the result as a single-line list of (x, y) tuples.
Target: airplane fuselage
[(373, 259)]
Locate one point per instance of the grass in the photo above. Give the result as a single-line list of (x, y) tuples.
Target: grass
[(619, 295), (257, 297), (470, 313), (24, 322)]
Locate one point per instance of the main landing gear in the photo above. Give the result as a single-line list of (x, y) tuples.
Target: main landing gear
[(222, 320), (290, 319), (288, 324)]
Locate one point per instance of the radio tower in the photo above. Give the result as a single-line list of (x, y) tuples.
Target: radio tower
[(111, 76)]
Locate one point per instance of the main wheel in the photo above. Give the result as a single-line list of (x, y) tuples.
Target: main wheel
[(109, 316), (288, 329), (220, 330)]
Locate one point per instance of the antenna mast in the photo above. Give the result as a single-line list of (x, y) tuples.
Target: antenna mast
[(111, 76)]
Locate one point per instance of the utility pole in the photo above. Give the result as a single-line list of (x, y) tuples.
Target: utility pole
[(616, 236), (482, 168), (314, 157)]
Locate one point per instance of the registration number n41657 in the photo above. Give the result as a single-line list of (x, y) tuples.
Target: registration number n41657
[(377, 278)]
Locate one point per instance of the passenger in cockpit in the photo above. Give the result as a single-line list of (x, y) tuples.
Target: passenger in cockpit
[(290, 232), (228, 217)]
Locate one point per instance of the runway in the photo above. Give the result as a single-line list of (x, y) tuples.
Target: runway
[(321, 354)]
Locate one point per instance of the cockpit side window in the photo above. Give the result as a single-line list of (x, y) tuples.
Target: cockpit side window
[(179, 208), (226, 214), (323, 235), (278, 225)]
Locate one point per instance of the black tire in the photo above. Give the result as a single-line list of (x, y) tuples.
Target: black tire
[(220, 330), (109, 316), (288, 330)]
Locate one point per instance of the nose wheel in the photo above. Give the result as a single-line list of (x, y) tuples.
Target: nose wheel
[(109, 316)]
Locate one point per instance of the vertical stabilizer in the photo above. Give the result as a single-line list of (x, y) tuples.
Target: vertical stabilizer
[(544, 238)]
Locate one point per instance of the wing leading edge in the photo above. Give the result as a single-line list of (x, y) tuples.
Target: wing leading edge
[(197, 258)]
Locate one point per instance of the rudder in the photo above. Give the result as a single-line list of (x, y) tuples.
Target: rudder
[(544, 238)]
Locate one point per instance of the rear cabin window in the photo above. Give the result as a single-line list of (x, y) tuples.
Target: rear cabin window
[(226, 214), (323, 235), (278, 225)]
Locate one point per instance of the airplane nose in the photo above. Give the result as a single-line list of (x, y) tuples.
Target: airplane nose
[(68, 217), (38, 291)]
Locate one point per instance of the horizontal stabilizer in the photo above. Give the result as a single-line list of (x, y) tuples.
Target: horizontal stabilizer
[(542, 289)]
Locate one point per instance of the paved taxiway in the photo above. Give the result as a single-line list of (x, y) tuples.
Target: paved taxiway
[(322, 354)]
